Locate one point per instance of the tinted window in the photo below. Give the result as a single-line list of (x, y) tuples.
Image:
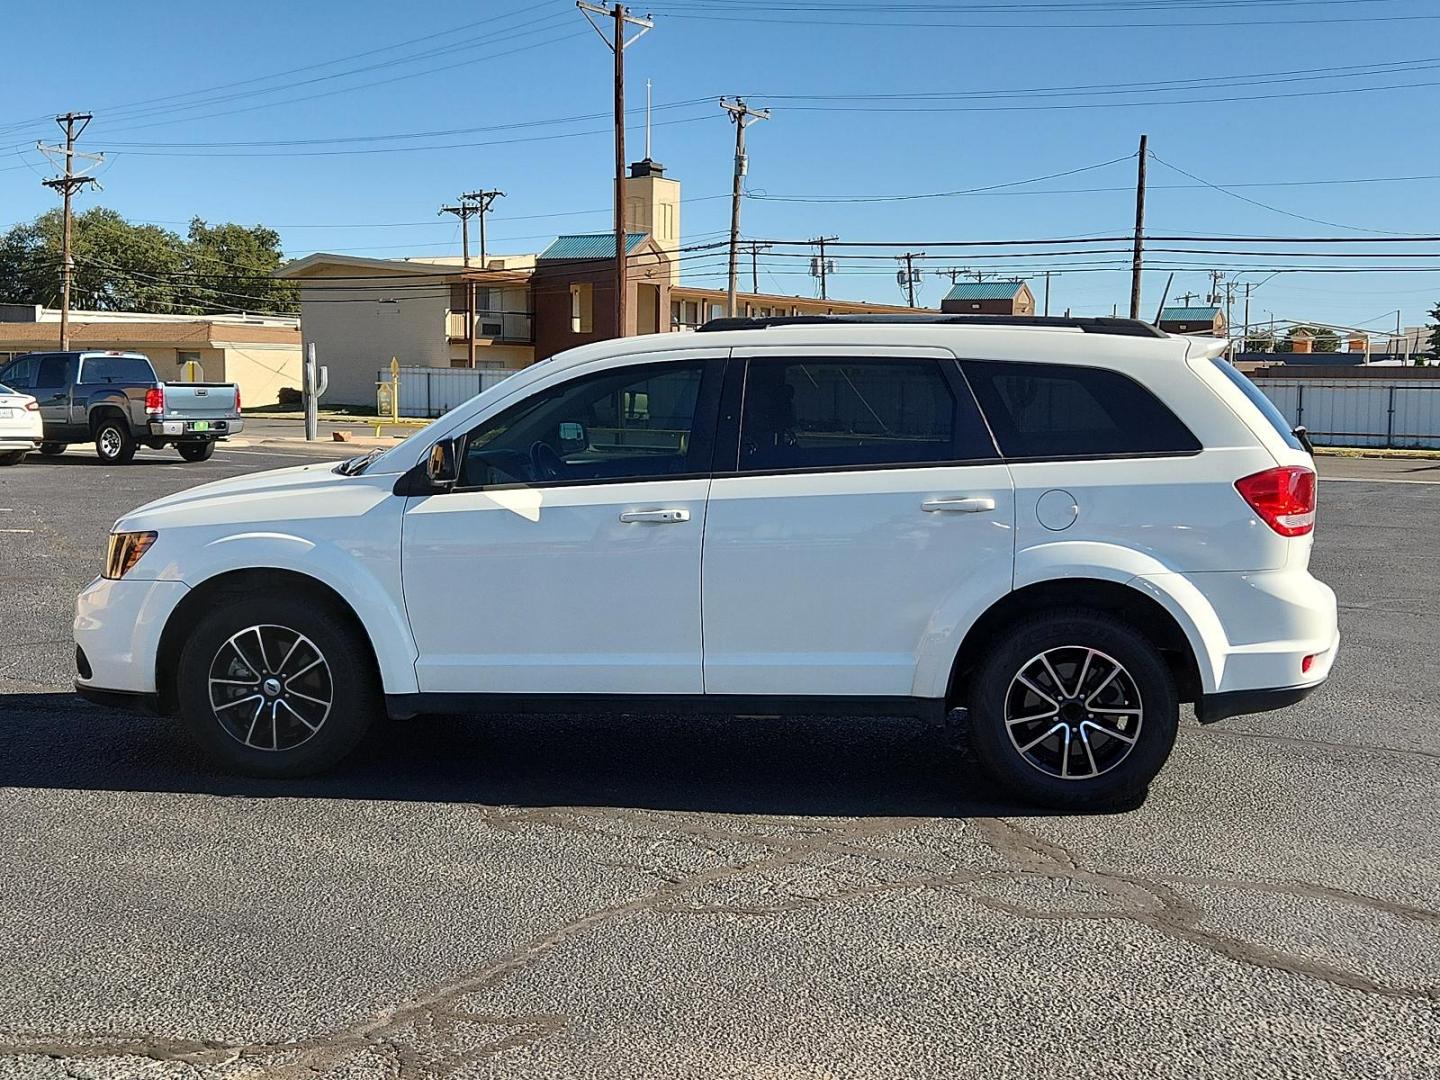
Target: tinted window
[(21, 374), (1055, 410), (815, 414), (635, 423), (1260, 401), (117, 369), (53, 371)]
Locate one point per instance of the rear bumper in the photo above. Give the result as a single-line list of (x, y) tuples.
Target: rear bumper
[(1213, 707), (185, 429), (13, 442)]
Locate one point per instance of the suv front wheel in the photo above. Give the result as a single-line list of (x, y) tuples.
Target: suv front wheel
[(277, 686), (1074, 710)]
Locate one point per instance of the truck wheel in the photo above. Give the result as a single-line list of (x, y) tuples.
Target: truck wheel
[(277, 685), (1073, 710), (12, 457), (52, 449), (113, 442), (196, 451)]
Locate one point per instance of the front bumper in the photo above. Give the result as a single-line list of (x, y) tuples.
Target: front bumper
[(118, 626), (184, 429)]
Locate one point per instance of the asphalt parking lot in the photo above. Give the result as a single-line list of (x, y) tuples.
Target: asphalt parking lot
[(694, 897)]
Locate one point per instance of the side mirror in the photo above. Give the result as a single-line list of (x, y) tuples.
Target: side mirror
[(573, 436), (443, 468)]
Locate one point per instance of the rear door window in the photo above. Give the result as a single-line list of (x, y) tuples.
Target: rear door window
[(843, 413), (1068, 411), (53, 372), (1257, 397)]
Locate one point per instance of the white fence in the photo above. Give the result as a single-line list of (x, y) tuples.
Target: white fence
[(427, 391), (1391, 413)]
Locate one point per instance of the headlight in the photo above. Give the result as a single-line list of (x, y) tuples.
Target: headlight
[(124, 552)]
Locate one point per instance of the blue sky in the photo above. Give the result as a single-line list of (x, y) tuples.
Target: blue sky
[(1304, 75)]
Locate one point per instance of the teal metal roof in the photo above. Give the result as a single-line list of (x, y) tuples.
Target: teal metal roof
[(590, 246), (984, 290), (1189, 314)]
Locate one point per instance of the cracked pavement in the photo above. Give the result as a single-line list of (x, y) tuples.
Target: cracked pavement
[(707, 897)]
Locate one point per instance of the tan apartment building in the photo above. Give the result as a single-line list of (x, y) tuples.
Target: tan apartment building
[(360, 313), (260, 354)]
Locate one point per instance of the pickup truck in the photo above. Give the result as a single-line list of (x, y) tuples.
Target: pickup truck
[(115, 400)]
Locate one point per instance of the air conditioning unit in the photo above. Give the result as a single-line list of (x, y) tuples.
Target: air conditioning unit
[(492, 329)]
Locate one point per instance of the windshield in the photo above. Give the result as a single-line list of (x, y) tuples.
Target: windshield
[(1260, 401)]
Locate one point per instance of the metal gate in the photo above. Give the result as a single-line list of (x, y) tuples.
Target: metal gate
[(430, 392), (1386, 413)]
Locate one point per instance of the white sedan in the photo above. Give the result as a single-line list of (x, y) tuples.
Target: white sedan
[(21, 428)]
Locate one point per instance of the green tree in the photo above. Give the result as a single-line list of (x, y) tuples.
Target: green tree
[(120, 266), (1432, 354), (229, 267)]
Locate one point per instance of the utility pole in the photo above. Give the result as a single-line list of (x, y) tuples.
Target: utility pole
[(753, 248), (617, 45), (67, 185), (1047, 288), (464, 211), (1139, 229), (954, 273), (1245, 333), (742, 116), (910, 274), (482, 201), (819, 267)]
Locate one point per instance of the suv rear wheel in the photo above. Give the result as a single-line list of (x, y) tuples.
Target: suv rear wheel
[(1074, 710), (52, 449), (277, 686)]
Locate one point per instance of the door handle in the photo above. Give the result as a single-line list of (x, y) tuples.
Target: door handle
[(656, 517), (974, 505)]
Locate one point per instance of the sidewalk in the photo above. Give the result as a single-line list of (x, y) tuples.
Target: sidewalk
[(288, 430)]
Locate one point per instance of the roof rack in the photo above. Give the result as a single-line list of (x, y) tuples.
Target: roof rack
[(1097, 325)]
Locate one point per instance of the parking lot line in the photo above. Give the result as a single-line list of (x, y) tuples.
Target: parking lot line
[(1374, 480)]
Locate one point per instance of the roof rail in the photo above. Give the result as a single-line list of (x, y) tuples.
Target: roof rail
[(1097, 325)]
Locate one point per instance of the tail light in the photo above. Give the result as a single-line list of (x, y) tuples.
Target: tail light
[(155, 400), (237, 399), (32, 405), (1283, 497)]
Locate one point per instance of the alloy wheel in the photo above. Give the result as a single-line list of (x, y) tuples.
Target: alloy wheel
[(270, 687), (1073, 712), (110, 442)]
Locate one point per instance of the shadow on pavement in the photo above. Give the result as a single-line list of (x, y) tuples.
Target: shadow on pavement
[(822, 766)]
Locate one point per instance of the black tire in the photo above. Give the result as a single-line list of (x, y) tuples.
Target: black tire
[(156, 444), (1113, 772), (347, 677), (12, 457), (114, 444), (197, 451), (52, 449)]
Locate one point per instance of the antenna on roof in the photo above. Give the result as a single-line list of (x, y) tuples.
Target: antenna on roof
[(647, 119)]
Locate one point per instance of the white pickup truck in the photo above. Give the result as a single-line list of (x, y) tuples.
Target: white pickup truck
[(115, 400)]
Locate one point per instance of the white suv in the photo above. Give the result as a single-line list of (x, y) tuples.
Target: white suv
[(1064, 527)]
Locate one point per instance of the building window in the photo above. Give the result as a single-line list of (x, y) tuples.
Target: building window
[(582, 307)]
